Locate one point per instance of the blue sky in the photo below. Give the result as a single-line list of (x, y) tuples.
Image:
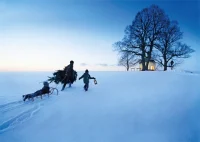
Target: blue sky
[(44, 35)]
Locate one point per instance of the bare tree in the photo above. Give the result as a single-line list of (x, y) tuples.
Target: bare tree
[(169, 46), (128, 60), (152, 31), (128, 47), (146, 28), (140, 37), (158, 21)]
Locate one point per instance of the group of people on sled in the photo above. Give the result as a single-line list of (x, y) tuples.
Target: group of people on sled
[(68, 78)]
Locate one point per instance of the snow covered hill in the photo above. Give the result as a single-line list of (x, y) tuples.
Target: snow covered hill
[(122, 107)]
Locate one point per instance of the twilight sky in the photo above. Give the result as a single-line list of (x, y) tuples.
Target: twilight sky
[(44, 35)]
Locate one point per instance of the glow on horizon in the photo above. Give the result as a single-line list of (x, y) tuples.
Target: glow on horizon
[(50, 51), (47, 50)]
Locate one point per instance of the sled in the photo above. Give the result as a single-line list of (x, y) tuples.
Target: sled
[(51, 91)]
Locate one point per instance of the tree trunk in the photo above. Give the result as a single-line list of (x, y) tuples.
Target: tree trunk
[(143, 59), (165, 66), (143, 64), (127, 65), (147, 65), (165, 60), (127, 68)]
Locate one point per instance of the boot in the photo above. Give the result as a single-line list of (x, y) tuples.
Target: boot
[(63, 87), (25, 97), (84, 87)]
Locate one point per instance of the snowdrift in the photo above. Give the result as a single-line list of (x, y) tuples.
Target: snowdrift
[(123, 107)]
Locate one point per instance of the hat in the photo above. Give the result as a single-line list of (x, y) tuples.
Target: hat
[(45, 83)]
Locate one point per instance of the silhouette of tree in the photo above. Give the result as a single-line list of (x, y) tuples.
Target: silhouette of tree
[(169, 46), (142, 35), (128, 60)]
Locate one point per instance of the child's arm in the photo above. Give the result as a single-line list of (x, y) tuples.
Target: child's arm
[(91, 77), (81, 77)]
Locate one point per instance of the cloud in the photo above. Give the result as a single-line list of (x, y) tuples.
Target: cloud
[(107, 65), (114, 65), (83, 64), (103, 65)]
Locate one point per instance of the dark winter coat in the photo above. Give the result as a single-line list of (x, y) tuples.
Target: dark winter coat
[(69, 73), (45, 90), (42, 91), (69, 70), (86, 77)]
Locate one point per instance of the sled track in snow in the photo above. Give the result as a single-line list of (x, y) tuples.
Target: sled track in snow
[(20, 118), (11, 106), (15, 105)]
